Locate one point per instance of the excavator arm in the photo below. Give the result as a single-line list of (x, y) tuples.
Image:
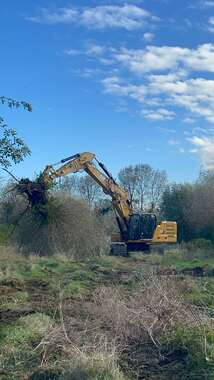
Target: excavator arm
[(85, 161)]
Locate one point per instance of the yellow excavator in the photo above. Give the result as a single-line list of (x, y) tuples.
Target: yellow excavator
[(137, 232)]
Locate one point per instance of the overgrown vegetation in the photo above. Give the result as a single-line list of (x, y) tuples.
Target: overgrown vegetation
[(192, 206), (104, 318), (40, 220)]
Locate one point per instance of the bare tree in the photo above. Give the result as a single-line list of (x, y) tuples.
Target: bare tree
[(128, 178), (144, 184), (158, 185), (68, 185), (89, 190), (144, 173)]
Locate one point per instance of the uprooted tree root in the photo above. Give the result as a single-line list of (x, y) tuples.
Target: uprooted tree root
[(37, 196)]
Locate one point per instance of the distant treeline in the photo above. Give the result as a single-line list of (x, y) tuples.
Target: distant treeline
[(192, 207)]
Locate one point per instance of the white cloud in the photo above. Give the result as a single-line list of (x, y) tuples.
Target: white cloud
[(148, 36), (116, 86), (195, 95), (189, 120), (181, 150), (158, 114), (127, 16), (72, 52), (201, 4), (172, 85), (106, 61), (62, 15), (95, 50), (173, 142), (204, 148), (211, 25), (163, 58), (92, 50), (171, 75), (207, 3), (166, 130)]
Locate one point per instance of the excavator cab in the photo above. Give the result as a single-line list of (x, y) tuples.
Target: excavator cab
[(142, 226)]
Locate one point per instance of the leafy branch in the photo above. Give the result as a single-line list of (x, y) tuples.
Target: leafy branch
[(15, 104), (12, 148)]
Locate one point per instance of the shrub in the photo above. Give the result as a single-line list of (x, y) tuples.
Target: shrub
[(71, 229)]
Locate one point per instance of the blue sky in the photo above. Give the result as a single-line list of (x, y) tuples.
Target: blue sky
[(130, 81)]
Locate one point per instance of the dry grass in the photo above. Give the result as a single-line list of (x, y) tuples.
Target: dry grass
[(115, 321), (157, 305)]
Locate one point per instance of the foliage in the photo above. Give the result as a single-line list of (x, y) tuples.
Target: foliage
[(192, 207), (177, 206), (12, 148), (14, 104)]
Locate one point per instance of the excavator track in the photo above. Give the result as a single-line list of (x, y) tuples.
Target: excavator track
[(119, 249)]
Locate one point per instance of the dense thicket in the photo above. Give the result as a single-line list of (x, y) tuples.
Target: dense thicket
[(192, 207), (71, 227)]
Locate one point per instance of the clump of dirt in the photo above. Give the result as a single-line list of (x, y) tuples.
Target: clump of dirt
[(10, 316), (45, 375)]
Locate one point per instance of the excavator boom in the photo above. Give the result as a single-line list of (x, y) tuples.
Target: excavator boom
[(85, 161)]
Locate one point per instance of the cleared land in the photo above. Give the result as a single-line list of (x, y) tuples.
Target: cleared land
[(145, 317)]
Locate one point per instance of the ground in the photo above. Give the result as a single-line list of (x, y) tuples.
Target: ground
[(142, 317)]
